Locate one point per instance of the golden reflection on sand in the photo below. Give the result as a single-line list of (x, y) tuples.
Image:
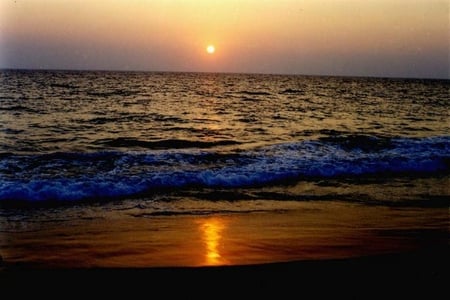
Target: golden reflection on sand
[(212, 229)]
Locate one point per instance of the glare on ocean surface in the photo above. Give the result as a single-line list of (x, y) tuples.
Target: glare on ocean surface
[(212, 234)]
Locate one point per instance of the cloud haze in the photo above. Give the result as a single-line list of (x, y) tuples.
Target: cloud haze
[(395, 38)]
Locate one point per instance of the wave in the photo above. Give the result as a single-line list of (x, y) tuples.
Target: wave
[(118, 92), (201, 212), (255, 93), (292, 91), (107, 175), (20, 108), (162, 144)]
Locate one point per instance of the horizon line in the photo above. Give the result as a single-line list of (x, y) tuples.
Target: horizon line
[(221, 72)]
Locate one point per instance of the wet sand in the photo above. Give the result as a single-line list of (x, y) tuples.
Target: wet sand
[(305, 244)]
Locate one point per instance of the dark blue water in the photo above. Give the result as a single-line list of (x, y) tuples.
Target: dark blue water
[(69, 137)]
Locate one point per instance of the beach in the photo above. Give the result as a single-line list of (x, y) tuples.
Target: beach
[(311, 248), (299, 231), (318, 231), (263, 180), (418, 274)]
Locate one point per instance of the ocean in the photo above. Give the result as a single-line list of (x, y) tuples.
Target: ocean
[(80, 147)]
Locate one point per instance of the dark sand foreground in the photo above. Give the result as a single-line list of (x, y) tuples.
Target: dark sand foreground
[(325, 248), (420, 274)]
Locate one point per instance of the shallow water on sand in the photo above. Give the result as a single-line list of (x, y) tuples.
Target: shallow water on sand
[(274, 231)]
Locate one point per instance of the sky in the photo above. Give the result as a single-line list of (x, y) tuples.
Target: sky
[(388, 38)]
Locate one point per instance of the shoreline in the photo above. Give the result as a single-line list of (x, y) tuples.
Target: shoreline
[(312, 246), (306, 231), (425, 257)]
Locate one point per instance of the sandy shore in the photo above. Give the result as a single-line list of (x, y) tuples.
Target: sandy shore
[(423, 273), (334, 244)]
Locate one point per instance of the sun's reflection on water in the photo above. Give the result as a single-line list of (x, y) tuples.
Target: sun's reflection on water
[(212, 230)]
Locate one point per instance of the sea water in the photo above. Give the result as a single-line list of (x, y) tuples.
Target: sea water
[(169, 144)]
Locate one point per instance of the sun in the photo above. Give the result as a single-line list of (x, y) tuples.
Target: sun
[(210, 49)]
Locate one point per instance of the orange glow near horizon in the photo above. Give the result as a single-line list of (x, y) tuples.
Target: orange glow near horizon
[(286, 36), (212, 235)]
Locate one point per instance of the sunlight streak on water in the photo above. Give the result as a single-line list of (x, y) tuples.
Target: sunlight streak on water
[(212, 229)]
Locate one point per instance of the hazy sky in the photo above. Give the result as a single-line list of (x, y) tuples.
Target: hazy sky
[(394, 38)]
